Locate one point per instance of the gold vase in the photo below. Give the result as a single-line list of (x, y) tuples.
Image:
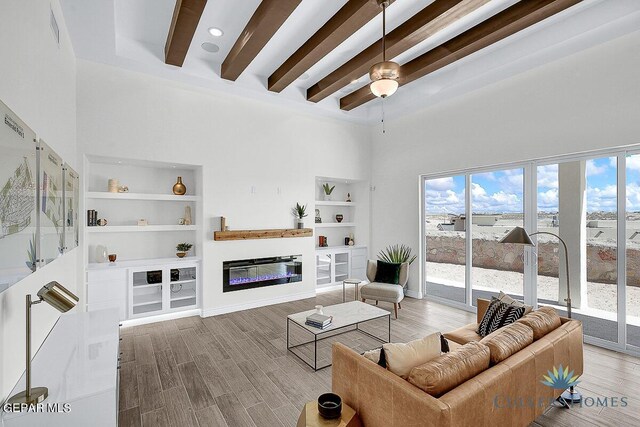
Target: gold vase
[(179, 188)]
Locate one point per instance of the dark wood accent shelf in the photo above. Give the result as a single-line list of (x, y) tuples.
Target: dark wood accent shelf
[(273, 233)]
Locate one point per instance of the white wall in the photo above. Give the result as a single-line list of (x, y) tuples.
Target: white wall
[(585, 101), (37, 81), (257, 160)]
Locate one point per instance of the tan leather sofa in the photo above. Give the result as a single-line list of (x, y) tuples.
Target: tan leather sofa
[(509, 393)]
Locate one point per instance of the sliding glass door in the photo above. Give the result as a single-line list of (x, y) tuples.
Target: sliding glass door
[(497, 206), (577, 198), (632, 237), (445, 239)]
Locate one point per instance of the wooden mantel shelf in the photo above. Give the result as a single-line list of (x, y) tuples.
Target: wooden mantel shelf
[(274, 233)]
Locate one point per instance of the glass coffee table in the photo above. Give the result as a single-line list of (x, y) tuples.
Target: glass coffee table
[(347, 317)]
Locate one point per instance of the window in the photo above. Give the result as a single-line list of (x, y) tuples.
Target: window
[(576, 198)]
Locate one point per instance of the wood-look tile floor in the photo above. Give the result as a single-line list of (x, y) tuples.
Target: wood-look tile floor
[(234, 370)]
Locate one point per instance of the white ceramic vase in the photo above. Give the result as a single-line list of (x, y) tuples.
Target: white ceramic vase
[(102, 255)]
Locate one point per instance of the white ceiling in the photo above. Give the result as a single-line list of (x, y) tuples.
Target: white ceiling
[(132, 34)]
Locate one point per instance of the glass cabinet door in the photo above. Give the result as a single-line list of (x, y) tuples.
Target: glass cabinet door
[(146, 292), (182, 287)]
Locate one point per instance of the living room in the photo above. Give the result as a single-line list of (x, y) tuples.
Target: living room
[(193, 213)]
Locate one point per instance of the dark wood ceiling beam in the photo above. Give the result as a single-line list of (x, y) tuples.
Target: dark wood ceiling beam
[(349, 19), (418, 28), (266, 20), (502, 25), (186, 16)]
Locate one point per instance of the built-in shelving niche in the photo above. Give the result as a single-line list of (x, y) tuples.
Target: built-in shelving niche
[(150, 197), (355, 213)]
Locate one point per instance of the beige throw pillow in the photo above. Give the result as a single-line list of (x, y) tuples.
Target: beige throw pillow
[(514, 302), (401, 358), (373, 355)]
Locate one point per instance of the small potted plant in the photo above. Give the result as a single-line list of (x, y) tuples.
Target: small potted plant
[(328, 189), (182, 249), (300, 211)]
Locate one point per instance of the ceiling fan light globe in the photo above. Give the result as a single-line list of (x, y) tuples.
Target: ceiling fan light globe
[(384, 87)]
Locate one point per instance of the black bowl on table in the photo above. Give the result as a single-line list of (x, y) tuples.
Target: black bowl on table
[(329, 405)]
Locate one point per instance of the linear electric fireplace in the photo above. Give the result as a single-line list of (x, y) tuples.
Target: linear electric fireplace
[(259, 272)]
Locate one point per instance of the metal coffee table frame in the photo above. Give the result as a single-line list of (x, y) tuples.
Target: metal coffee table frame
[(321, 336)]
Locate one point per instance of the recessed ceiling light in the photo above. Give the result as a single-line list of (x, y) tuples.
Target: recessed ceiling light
[(216, 32), (305, 76), (210, 47)]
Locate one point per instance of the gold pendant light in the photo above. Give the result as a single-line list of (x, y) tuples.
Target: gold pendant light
[(384, 75)]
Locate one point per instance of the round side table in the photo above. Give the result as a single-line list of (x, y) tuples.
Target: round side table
[(310, 417)]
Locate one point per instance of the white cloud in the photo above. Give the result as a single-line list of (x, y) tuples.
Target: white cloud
[(440, 184), (548, 176), (633, 162), (593, 169), (498, 202), (548, 200), (602, 199)]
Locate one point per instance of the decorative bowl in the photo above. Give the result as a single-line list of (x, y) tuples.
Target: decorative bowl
[(329, 405), (181, 254)]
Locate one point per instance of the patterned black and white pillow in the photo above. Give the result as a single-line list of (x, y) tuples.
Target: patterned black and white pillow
[(498, 314)]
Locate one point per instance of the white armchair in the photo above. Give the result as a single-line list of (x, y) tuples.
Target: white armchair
[(386, 292)]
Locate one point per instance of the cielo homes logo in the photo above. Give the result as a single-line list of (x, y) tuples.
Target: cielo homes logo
[(560, 378)]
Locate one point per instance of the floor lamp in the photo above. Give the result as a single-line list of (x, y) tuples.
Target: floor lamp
[(57, 296), (519, 236)]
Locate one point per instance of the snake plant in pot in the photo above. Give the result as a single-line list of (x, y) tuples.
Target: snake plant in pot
[(397, 254), (328, 189), (299, 211)]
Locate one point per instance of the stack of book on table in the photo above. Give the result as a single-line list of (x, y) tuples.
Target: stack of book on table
[(319, 321)]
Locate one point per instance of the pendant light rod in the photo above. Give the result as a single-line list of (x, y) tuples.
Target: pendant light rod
[(384, 31)]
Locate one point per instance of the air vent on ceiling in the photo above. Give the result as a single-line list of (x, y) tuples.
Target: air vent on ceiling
[(54, 27)]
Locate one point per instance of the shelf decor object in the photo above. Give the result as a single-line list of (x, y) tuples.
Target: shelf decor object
[(299, 212), (275, 233), (328, 189), (182, 249), (179, 189), (57, 296)]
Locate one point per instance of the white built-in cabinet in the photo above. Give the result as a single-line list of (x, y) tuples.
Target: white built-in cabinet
[(335, 264), (141, 289)]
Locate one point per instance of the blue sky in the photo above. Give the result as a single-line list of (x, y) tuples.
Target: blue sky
[(501, 191)]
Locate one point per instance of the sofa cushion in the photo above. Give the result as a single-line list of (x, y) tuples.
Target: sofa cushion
[(373, 355), (498, 315), (387, 272), (507, 341), (402, 357), (446, 372), (382, 291), (464, 334), (542, 321), (514, 302)]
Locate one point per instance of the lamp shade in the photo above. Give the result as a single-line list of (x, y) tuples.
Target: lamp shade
[(518, 236), (58, 296), (384, 87)]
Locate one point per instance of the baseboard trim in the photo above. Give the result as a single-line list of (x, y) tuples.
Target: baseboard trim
[(255, 304), (160, 318), (323, 289), (414, 294)]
